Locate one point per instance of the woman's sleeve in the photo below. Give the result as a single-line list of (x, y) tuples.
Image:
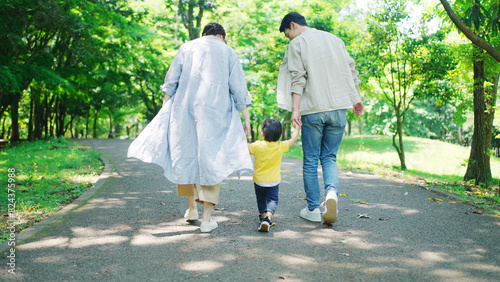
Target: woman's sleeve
[(237, 83), (174, 74)]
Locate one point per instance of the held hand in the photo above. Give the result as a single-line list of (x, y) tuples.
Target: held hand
[(358, 109), (246, 127), (297, 126), (295, 120), (165, 100)]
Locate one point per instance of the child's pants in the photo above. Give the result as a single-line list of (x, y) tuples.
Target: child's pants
[(201, 193), (267, 198)]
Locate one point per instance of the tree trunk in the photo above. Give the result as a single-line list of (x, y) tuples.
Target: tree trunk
[(31, 138), (399, 133), (74, 124), (95, 123), (87, 125), (60, 116), (38, 116), (14, 115), (47, 115), (2, 135), (110, 134), (349, 128), (478, 167)]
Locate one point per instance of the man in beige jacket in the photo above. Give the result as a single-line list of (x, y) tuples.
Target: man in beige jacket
[(318, 83)]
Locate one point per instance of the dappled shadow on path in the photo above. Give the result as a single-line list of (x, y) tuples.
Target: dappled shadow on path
[(133, 229)]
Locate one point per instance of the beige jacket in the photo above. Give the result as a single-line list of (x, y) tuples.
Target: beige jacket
[(317, 66)]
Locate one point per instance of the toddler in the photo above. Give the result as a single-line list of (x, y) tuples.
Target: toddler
[(267, 166)]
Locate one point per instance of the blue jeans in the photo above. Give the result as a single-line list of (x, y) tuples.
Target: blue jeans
[(267, 198), (321, 137)]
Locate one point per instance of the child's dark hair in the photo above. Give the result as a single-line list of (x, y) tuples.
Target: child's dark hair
[(272, 129), (292, 17), (214, 29)]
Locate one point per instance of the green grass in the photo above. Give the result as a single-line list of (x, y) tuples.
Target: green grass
[(435, 162), (48, 176)]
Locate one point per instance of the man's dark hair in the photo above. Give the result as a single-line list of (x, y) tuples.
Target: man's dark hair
[(214, 29), (272, 129), (292, 17)]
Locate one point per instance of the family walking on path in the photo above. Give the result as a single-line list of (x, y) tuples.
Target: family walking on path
[(130, 228), (198, 139)]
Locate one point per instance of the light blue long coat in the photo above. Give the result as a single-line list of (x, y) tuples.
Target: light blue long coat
[(198, 137)]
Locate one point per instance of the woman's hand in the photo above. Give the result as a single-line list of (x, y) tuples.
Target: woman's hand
[(246, 123), (246, 127)]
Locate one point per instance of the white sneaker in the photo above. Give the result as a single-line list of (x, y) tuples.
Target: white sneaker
[(207, 226), (314, 215), (331, 210), (191, 214)]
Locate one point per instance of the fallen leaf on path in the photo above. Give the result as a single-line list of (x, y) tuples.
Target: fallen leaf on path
[(283, 277), (478, 212), (363, 216), (197, 274), (364, 203), (435, 199), (382, 218), (327, 224), (286, 170), (343, 195)]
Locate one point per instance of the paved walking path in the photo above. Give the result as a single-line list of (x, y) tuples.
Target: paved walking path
[(132, 229)]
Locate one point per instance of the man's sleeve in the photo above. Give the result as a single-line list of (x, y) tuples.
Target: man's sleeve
[(296, 68), (352, 65)]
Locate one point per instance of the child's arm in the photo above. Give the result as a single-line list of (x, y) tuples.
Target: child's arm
[(295, 135)]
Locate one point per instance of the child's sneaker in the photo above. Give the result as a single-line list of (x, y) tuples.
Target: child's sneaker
[(265, 224)]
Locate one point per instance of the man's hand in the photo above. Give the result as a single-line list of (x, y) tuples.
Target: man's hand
[(295, 120), (358, 109)]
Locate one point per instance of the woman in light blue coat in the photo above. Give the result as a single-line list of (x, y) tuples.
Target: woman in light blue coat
[(198, 137)]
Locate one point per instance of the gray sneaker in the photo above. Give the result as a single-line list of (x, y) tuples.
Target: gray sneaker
[(314, 215)]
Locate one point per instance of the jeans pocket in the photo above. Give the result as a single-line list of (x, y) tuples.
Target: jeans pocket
[(342, 118), (311, 119)]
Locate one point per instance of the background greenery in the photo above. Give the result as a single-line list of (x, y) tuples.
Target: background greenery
[(48, 176), (80, 68)]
